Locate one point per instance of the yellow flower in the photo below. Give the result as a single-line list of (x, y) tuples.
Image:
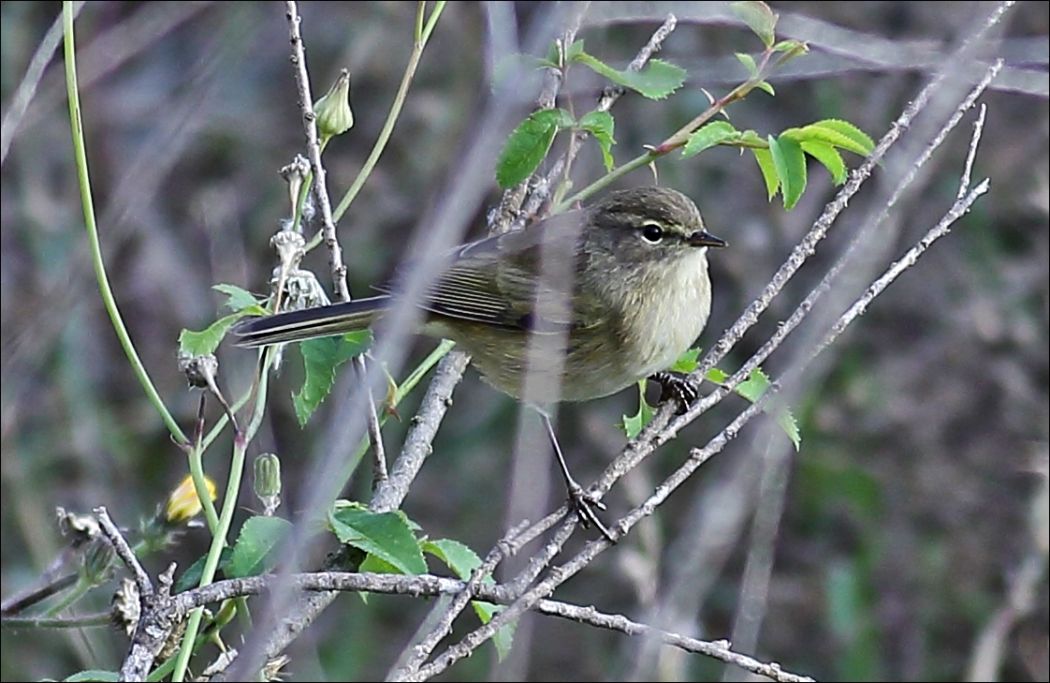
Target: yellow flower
[(183, 503)]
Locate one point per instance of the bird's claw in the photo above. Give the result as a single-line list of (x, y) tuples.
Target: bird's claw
[(584, 504), (678, 387)]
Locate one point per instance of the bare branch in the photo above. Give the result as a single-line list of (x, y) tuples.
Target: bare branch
[(719, 649), (431, 585), (124, 552), (375, 434), (313, 151)]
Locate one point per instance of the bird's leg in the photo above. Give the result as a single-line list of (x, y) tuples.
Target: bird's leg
[(583, 503), (678, 387)]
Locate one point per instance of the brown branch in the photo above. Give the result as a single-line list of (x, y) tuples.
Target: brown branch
[(430, 585), (313, 151), (123, 551)]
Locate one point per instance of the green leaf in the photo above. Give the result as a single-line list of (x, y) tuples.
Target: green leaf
[(600, 124), (239, 299), (769, 170), (377, 565), (790, 163), (829, 157), (714, 133), (749, 63), (387, 535), (255, 551), (688, 361), (766, 87), (94, 675), (834, 132), (191, 578), (528, 145), (207, 340), (656, 81), (459, 557), (752, 389), (759, 18), (504, 638), (463, 561), (633, 425), (321, 358)]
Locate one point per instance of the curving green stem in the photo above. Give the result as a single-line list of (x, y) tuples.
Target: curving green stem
[(229, 506), (80, 156)]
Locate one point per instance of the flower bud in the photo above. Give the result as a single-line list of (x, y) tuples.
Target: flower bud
[(199, 370), (267, 482), (79, 528), (183, 503), (334, 116)]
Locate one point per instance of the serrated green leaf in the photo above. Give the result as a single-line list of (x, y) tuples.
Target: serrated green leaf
[(207, 340), (634, 424), (829, 157), (457, 556), (238, 299), (656, 81), (191, 578), (387, 535), (600, 124), (749, 63), (862, 140), (528, 145), (94, 675), (834, 132), (759, 18), (709, 135), (687, 362), (769, 171), (790, 164), (752, 389), (255, 551), (321, 358), (766, 87)]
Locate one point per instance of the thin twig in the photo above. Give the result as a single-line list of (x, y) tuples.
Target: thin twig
[(16, 603), (85, 620), (978, 127), (124, 552), (313, 151), (375, 435), (718, 649)]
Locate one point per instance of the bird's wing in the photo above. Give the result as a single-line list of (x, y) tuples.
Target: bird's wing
[(518, 280)]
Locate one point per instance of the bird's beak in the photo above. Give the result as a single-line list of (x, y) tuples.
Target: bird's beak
[(702, 238)]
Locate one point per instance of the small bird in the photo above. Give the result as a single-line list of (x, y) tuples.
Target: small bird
[(589, 301)]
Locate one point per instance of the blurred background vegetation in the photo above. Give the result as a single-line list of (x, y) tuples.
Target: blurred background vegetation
[(920, 488)]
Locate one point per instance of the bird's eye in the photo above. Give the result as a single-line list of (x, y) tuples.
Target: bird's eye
[(652, 233)]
